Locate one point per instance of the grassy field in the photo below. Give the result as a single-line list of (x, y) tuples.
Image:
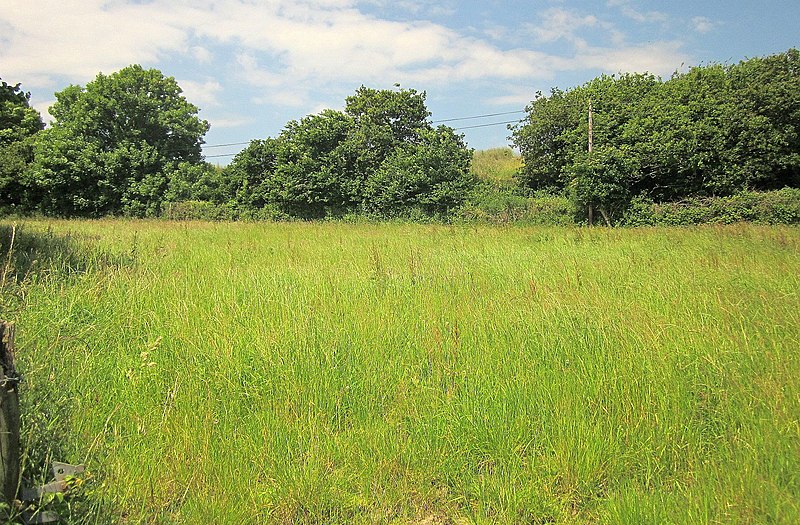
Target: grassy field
[(335, 373), (497, 165)]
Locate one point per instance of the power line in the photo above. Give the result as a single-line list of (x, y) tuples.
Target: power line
[(487, 125), (223, 155), (487, 115), (478, 116), (222, 145)]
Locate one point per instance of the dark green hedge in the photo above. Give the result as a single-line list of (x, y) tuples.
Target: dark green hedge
[(773, 207)]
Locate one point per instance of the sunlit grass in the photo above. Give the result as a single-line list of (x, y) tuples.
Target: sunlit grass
[(334, 373), (498, 165)]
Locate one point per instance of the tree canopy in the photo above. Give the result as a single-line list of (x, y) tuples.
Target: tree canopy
[(19, 123), (379, 156), (129, 142), (714, 130), (114, 145)]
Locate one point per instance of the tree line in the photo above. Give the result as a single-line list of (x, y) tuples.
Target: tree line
[(715, 130), (129, 143)]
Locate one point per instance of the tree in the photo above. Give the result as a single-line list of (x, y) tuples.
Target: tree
[(383, 121), (380, 155), (431, 176), (302, 172), (764, 130), (601, 180), (197, 181), (19, 124), (133, 128), (544, 140), (247, 178), (714, 130)]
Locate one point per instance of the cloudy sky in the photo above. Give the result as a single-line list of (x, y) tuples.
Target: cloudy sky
[(253, 65)]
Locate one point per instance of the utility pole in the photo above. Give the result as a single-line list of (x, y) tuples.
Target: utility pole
[(590, 125), (591, 211)]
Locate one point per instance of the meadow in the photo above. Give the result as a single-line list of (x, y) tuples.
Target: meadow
[(411, 374)]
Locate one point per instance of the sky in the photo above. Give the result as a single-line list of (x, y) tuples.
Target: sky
[(251, 66)]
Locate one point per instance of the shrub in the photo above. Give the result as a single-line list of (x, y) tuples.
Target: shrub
[(497, 204), (774, 207), (197, 210)]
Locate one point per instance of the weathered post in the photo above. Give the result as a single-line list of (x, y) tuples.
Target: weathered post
[(9, 415), (591, 144)]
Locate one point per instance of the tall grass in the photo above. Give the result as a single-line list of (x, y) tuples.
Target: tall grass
[(498, 165), (335, 373)]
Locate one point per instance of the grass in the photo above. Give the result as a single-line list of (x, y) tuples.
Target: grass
[(496, 165), (336, 373)]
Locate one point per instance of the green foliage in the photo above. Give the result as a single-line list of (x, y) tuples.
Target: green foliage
[(19, 124), (601, 179), (765, 128), (196, 180), (301, 172), (196, 211), (402, 113), (248, 178), (380, 156), (65, 176), (17, 119), (715, 130), (114, 145), (310, 177), (431, 175), (775, 207), (500, 205)]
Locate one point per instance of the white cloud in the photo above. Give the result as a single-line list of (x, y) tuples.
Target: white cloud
[(637, 15), (702, 24), (201, 94), (659, 58), (289, 49), (254, 74), (496, 32), (514, 96), (201, 54), (230, 122), (85, 37), (561, 23)]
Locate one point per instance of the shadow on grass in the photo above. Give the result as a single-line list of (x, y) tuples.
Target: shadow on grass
[(34, 255), (28, 258)]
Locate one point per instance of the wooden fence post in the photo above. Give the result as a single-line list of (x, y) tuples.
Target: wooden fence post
[(9, 415)]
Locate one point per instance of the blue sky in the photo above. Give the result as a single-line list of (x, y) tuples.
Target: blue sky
[(251, 66)]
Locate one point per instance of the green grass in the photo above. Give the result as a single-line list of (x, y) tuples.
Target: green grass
[(496, 165), (335, 373)]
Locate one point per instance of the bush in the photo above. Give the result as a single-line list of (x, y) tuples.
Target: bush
[(268, 212), (197, 210), (495, 204), (430, 178), (774, 207)]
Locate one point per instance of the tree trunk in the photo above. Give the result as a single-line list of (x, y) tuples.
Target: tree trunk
[(605, 216)]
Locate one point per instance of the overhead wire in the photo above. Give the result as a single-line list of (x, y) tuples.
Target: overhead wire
[(479, 116), (229, 144), (487, 125), (221, 155), (455, 119)]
